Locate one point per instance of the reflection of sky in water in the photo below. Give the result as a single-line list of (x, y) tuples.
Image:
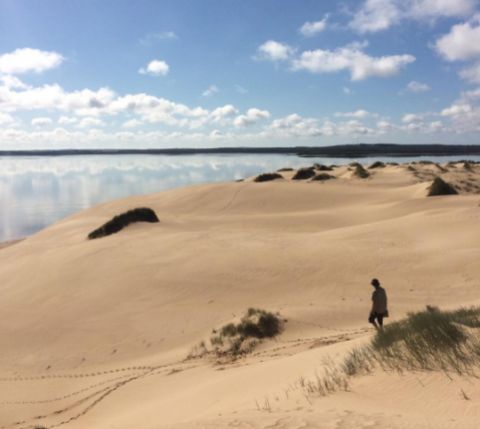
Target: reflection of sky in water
[(37, 191)]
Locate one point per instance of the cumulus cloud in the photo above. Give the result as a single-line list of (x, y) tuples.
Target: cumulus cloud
[(6, 119), (417, 87), (295, 125), (358, 114), (353, 59), (310, 29), (274, 51), (411, 118), (66, 120), (89, 122), (132, 123), (27, 60), (155, 68), (377, 15), (462, 42), (251, 117), (41, 122), (211, 90)]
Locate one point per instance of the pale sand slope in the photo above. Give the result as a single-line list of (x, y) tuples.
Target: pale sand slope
[(94, 334)]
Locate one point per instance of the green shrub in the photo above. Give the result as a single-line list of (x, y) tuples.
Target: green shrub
[(266, 177), (119, 222), (440, 187), (360, 172), (323, 176), (377, 164), (304, 173)]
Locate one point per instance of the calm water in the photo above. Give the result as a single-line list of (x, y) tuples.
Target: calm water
[(37, 191)]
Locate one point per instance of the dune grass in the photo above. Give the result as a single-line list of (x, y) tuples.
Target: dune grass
[(440, 187), (323, 177), (266, 177), (304, 173), (117, 223), (360, 171), (428, 340), (377, 164)]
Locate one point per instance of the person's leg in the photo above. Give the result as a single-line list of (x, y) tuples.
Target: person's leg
[(380, 320), (371, 320)]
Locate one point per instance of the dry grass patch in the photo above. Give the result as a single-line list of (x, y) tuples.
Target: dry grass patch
[(266, 177), (440, 187), (304, 173)]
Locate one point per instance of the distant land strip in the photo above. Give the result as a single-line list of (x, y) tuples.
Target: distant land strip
[(338, 151)]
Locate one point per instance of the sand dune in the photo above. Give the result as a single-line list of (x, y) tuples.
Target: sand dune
[(95, 333)]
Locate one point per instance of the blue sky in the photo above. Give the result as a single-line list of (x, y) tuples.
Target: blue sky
[(180, 73)]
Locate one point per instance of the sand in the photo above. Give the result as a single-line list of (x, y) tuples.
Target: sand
[(96, 333)]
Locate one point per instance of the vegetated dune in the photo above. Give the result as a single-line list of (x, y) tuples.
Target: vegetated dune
[(96, 333)]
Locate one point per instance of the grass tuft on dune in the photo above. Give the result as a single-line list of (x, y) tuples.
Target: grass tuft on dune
[(117, 223)]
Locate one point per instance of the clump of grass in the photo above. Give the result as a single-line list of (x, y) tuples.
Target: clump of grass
[(393, 164), (360, 172), (235, 339), (304, 173), (285, 169), (116, 224), (322, 167), (427, 340), (377, 164), (323, 177), (266, 177), (440, 187)]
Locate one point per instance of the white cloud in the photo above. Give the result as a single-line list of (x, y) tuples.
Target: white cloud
[(384, 127), (310, 29), (461, 43), (223, 112), (378, 15), (41, 122), (66, 120), (274, 51), (6, 119), (417, 87), (358, 114), (411, 118), (153, 38), (295, 125), (89, 122), (27, 60), (132, 123), (353, 59), (251, 117), (155, 68), (240, 89), (211, 90), (12, 82), (471, 73)]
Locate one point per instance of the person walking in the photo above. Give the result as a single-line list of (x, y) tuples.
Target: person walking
[(379, 305)]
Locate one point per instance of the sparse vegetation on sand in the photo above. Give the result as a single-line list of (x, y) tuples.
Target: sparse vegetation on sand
[(360, 172), (429, 340), (266, 177), (116, 224), (285, 169), (440, 187), (323, 177), (377, 164), (304, 173), (236, 339), (322, 167)]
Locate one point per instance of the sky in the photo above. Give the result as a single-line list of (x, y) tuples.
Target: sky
[(203, 73)]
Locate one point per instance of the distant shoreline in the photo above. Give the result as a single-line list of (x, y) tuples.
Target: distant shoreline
[(339, 151)]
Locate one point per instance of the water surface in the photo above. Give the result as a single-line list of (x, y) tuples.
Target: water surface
[(37, 191)]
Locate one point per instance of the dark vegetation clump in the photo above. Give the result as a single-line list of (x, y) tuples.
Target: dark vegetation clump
[(394, 164), (285, 169), (425, 162), (322, 167), (323, 176), (266, 177), (235, 339), (377, 164), (304, 173), (361, 172), (441, 168), (355, 164), (116, 224), (440, 187)]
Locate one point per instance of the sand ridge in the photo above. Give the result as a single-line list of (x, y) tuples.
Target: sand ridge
[(96, 333)]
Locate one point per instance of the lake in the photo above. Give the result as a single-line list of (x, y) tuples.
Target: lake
[(38, 191)]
